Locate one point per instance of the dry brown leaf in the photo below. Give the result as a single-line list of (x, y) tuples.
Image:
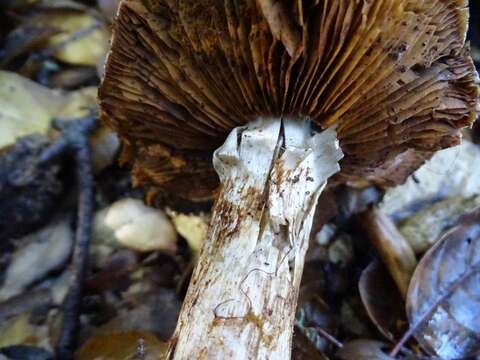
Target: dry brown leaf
[(443, 304), (382, 300), (395, 252)]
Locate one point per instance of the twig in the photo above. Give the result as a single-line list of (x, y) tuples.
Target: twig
[(329, 337), (75, 140)]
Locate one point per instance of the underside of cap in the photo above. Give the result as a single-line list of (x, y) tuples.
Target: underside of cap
[(395, 77)]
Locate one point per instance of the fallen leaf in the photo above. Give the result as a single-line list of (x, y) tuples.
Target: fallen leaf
[(83, 38), (425, 227), (395, 252), (443, 303), (48, 4), (123, 346), (19, 330), (449, 173), (41, 252), (60, 4), (77, 103), (381, 300), (27, 107), (192, 227)]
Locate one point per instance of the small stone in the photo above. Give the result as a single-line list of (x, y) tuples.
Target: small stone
[(132, 224)]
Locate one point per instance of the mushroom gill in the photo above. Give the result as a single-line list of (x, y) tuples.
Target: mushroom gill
[(394, 76)]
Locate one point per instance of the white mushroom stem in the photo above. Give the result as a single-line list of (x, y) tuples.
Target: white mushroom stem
[(243, 293)]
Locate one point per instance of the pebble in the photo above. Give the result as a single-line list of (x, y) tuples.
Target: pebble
[(130, 223)]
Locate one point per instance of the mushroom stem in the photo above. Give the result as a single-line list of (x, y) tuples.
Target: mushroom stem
[(242, 297)]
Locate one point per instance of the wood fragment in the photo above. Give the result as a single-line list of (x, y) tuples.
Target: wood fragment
[(392, 247)]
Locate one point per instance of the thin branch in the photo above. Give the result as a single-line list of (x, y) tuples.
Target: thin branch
[(75, 139), (329, 337)]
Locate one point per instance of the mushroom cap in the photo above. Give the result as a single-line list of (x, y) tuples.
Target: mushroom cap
[(394, 76)]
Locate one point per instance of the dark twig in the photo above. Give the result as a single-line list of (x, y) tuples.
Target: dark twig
[(329, 337), (74, 139)]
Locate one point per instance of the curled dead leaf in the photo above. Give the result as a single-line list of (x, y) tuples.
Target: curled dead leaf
[(390, 244), (381, 300)]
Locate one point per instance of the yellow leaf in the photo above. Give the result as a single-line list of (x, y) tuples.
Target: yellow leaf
[(19, 330), (83, 39), (27, 107), (192, 227)]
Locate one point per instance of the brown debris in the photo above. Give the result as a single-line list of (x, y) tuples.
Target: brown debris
[(392, 247)]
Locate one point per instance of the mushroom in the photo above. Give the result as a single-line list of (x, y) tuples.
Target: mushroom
[(281, 84)]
